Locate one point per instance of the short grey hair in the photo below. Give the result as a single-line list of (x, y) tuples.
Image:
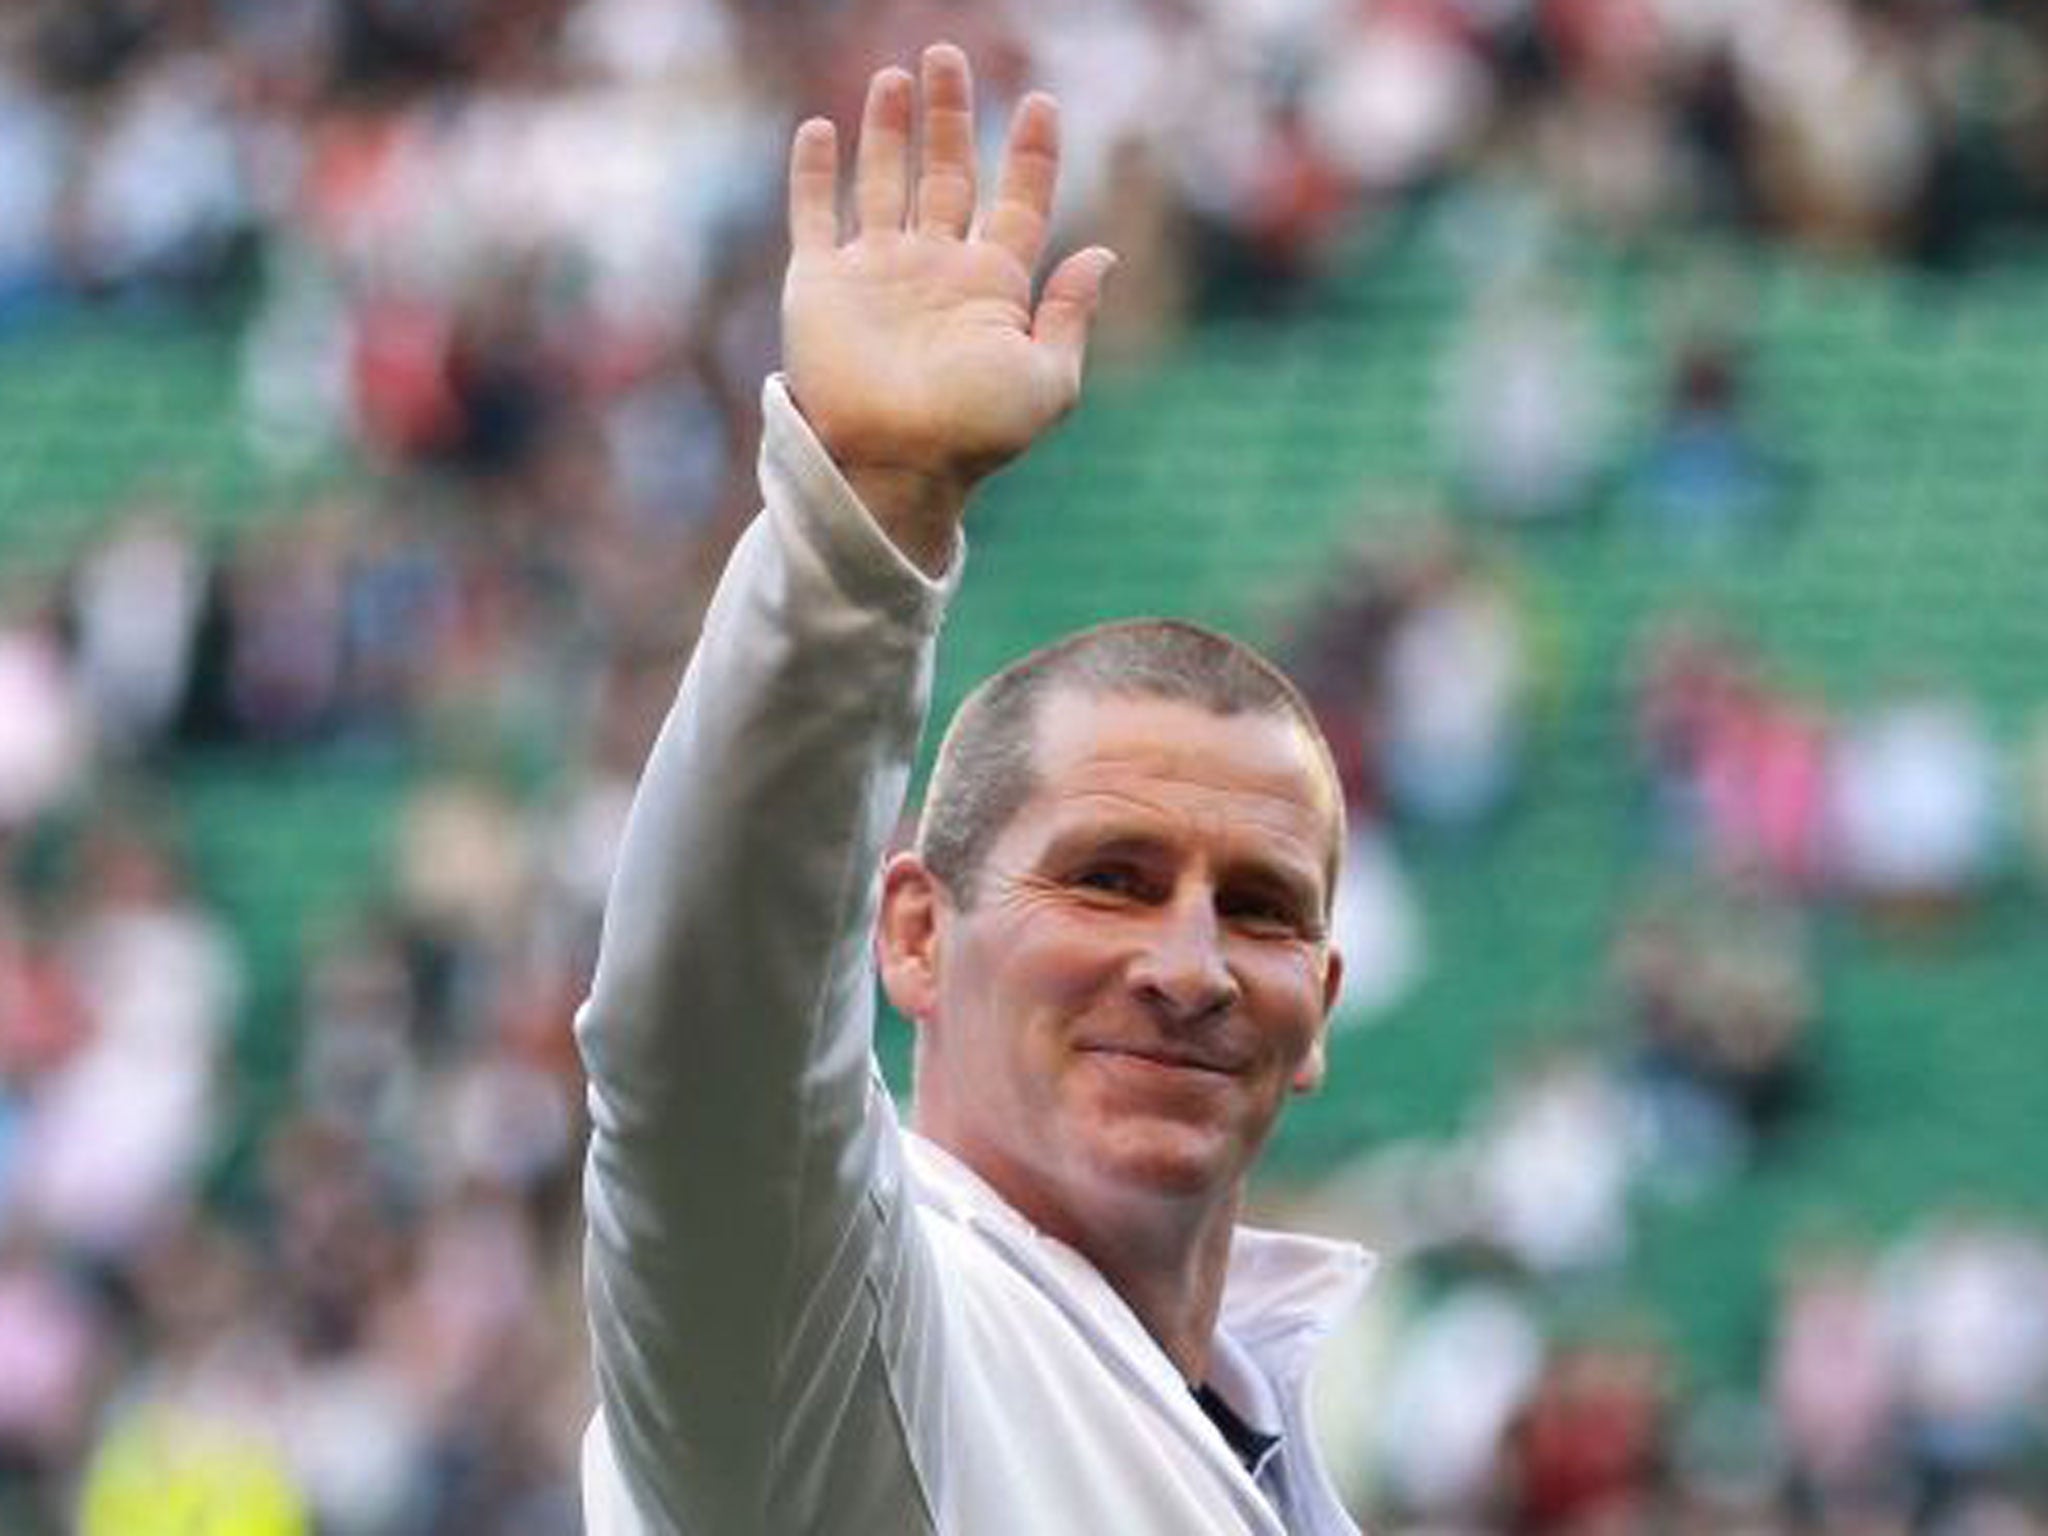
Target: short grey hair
[(987, 761)]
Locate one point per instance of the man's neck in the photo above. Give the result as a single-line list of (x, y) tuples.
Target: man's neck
[(1175, 1289), (1166, 1259), (1165, 1256)]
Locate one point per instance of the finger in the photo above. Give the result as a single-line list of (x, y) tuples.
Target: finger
[(814, 186), (945, 183), (881, 185), (1022, 211), (1066, 309)]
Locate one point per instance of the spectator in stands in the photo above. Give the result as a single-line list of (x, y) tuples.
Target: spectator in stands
[(1145, 223), (1607, 137), (1709, 480), (1377, 923), (283, 592), (161, 980), (1551, 1165), (1913, 801), (1525, 402), (161, 201), (1458, 1378), (137, 603), (1392, 95), (362, 1021), (1337, 654), (40, 139), (49, 737), (463, 868), (43, 1019), (1590, 1451), (1967, 1300), (1981, 70), (1844, 136), (1720, 1001), (1834, 1384), (55, 1360), (1456, 690), (1737, 764)]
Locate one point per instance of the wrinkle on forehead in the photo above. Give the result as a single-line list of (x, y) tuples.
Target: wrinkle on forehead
[(1084, 740), (1162, 762), (1189, 800)]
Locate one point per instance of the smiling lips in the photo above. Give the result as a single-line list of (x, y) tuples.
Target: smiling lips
[(1171, 1057)]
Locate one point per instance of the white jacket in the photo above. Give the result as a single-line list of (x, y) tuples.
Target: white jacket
[(804, 1319)]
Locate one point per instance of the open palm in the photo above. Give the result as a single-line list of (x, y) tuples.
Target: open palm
[(914, 348)]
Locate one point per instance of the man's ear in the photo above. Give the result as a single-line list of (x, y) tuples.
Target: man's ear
[(1308, 1077), (907, 937)]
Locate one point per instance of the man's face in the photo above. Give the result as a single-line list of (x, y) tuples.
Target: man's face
[(1143, 975)]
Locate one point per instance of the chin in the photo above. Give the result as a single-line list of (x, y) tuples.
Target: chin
[(1169, 1160)]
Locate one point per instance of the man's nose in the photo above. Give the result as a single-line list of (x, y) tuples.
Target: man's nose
[(1181, 970)]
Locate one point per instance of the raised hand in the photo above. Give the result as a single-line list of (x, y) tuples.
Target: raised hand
[(914, 348)]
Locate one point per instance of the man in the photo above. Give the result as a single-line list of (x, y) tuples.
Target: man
[(1036, 1314)]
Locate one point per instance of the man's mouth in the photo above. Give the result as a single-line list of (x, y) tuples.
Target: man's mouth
[(1169, 1057)]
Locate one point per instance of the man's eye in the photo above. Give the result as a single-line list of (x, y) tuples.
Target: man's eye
[(1263, 913), (1111, 879)]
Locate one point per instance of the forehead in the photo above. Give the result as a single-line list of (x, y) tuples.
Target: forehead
[(1260, 770)]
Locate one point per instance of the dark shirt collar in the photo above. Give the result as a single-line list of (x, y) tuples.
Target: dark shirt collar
[(1253, 1447)]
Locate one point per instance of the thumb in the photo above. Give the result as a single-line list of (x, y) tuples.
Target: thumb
[(1066, 308)]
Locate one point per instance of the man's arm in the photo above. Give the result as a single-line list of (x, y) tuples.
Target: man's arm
[(747, 1253)]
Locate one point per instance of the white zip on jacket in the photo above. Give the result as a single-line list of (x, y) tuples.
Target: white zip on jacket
[(805, 1319)]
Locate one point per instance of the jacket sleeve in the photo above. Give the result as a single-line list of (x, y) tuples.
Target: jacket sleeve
[(746, 1227)]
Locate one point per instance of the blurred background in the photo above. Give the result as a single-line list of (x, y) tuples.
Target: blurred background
[(1627, 418)]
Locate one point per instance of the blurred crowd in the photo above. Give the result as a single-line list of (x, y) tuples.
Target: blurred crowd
[(572, 189), (520, 258), (1517, 1385), (1513, 1382), (1901, 1390)]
